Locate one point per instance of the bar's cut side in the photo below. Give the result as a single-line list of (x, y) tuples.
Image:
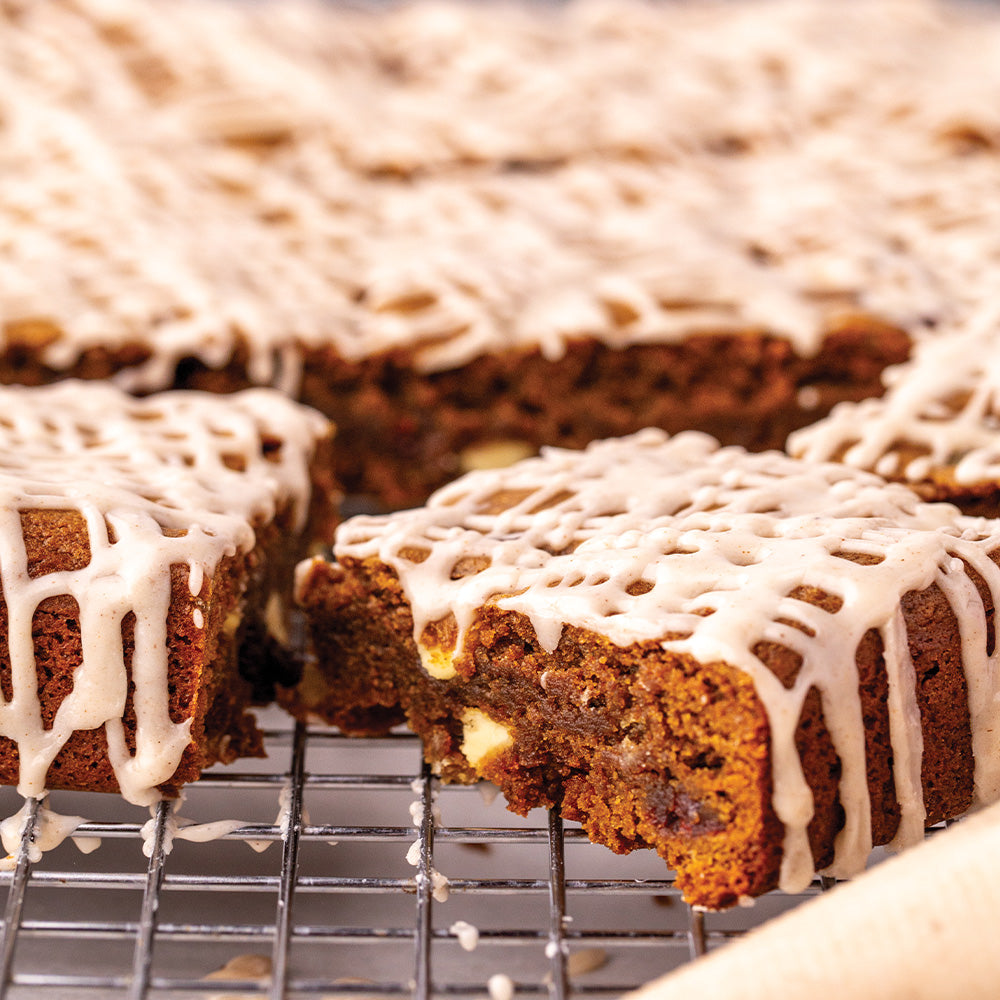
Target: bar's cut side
[(146, 548), (758, 667), (413, 430)]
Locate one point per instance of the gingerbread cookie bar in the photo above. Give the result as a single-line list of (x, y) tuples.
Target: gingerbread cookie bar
[(143, 545), (759, 667)]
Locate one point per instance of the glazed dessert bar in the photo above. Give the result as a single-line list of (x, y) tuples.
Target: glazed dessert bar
[(144, 545), (757, 666)]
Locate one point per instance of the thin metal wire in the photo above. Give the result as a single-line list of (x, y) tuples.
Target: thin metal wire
[(433, 972), (289, 865), (15, 898), (696, 932), (142, 960), (556, 948), (422, 982)]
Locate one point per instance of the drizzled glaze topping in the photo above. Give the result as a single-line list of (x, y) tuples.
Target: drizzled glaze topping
[(939, 416), (177, 479), (647, 537), (189, 173)]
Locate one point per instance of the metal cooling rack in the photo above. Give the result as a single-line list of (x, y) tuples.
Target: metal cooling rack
[(347, 899)]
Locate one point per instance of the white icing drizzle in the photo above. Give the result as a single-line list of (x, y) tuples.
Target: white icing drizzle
[(51, 829), (500, 987), (440, 886), (982, 671), (202, 833), (87, 845), (153, 482), (561, 538), (189, 173), (905, 733), (413, 854), (944, 402), (467, 934), (177, 827)]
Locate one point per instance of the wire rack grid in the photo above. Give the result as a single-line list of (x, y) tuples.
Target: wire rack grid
[(345, 870)]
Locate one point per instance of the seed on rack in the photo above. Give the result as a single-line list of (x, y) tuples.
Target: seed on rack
[(244, 967), (586, 960)]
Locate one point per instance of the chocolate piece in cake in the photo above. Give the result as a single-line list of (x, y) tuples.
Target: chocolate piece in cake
[(143, 545), (757, 666)]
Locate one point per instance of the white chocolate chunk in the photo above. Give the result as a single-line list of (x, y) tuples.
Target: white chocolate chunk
[(482, 737), (439, 663)]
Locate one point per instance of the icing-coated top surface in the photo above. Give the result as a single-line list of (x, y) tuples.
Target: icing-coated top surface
[(706, 550), (940, 415), (177, 479), (460, 178)]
